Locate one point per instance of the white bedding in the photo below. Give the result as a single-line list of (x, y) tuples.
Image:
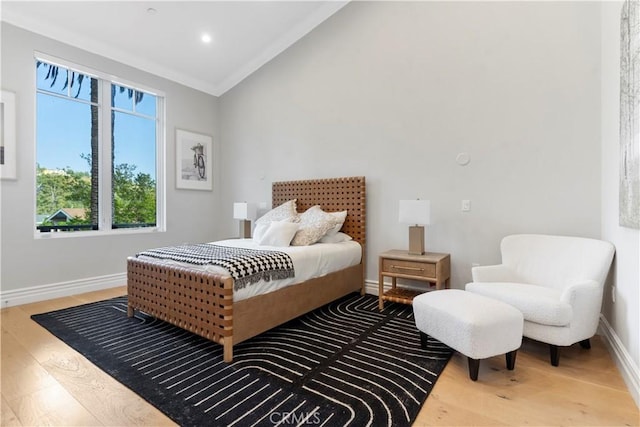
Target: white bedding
[(308, 261)]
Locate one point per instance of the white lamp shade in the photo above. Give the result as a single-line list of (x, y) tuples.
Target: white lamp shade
[(244, 210), (415, 212)]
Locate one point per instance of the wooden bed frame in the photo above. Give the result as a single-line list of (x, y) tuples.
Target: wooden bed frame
[(202, 302)]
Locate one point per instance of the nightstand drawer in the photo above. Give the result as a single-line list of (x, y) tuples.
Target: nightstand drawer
[(409, 268)]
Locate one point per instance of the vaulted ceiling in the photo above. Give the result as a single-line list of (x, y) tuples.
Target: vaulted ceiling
[(165, 37)]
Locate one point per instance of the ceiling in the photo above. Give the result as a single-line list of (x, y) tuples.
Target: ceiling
[(164, 37)]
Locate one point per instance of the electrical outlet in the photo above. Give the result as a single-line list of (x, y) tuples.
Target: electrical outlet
[(613, 294), (466, 205)]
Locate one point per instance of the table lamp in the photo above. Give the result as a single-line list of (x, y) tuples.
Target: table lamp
[(244, 212), (416, 212)]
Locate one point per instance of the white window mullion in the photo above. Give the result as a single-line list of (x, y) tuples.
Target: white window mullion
[(160, 165), (105, 166)]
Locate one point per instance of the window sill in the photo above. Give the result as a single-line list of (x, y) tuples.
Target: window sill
[(96, 233)]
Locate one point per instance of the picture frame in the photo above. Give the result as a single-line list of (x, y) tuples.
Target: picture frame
[(629, 181), (8, 135), (194, 161)]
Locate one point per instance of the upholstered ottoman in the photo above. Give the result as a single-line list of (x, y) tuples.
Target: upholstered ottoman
[(474, 325)]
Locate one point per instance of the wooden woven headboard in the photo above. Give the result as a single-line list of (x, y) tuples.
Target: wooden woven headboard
[(333, 195)]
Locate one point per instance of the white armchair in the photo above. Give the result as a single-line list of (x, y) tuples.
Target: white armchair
[(556, 282)]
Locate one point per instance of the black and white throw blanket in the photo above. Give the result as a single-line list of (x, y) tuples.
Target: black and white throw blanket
[(246, 266)]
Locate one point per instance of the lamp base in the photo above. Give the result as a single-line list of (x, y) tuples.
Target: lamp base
[(416, 240), (245, 228)]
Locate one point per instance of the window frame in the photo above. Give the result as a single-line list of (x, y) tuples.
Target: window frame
[(105, 80)]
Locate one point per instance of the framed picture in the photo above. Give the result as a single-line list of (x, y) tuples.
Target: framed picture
[(8, 135), (194, 161), (629, 197)]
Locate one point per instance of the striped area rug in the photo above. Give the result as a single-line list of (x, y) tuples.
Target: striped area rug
[(343, 364)]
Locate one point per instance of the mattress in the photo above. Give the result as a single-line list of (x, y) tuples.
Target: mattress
[(309, 262)]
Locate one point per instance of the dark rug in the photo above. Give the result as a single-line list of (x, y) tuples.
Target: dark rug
[(343, 364)]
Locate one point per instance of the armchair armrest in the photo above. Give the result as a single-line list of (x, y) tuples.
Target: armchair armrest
[(582, 292), (585, 298), (492, 273)]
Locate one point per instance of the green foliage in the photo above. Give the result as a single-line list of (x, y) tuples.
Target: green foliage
[(57, 189), (134, 194)]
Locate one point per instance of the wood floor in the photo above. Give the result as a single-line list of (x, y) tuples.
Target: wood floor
[(44, 382)]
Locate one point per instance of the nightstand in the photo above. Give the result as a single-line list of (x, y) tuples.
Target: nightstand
[(433, 268)]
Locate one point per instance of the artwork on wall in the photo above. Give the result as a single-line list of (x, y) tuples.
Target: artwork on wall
[(8, 135), (194, 161), (630, 114)]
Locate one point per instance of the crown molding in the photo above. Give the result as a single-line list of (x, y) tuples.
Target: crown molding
[(285, 41), (87, 43)]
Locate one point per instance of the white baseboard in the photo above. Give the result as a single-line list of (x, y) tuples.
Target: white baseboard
[(371, 287), (623, 360), (61, 289)]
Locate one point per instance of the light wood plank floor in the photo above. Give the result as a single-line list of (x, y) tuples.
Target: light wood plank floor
[(44, 382)]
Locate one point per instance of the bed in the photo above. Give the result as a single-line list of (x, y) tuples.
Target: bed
[(203, 302)]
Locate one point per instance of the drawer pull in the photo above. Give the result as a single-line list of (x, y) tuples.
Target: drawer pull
[(401, 267)]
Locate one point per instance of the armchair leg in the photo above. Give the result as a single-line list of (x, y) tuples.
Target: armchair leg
[(555, 354), (586, 344), (474, 367), (511, 360)]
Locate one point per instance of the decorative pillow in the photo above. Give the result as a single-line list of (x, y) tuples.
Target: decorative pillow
[(259, 230), (279, 233), (287, 210), (314, 223), (340, 216), (339, 237)]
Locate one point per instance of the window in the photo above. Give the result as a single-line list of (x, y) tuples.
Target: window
[(98, 150)]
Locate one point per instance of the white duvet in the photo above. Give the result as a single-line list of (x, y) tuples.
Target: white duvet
[(308, 261)]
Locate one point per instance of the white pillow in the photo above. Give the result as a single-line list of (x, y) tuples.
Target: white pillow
[(340, 216), (314, 223), (287, 210), (338, 237), (279, 233), (259, 230)]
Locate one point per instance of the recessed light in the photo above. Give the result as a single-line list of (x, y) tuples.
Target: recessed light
[(206, 38), (151, 11)]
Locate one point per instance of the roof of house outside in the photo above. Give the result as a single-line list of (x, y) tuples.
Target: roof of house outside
[(69, 213)]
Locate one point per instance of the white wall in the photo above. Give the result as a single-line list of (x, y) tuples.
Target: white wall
[(622, 316), (395, 90), (28, 262)]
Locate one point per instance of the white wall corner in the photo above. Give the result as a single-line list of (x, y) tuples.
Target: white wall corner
[(61, 289), (623, 360)]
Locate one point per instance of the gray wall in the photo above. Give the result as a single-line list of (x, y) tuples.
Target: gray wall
[(395, 90), (624, 314), (28, 262)]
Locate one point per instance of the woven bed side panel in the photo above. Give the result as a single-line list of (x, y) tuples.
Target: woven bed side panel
[(333, 195), (197, 301)]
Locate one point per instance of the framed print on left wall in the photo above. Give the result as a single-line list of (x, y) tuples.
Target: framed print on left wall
[(8, 135), (194, 160)]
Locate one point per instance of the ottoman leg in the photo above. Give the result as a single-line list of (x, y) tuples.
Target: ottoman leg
[(511, 360), (474, 366), (423, 340)]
